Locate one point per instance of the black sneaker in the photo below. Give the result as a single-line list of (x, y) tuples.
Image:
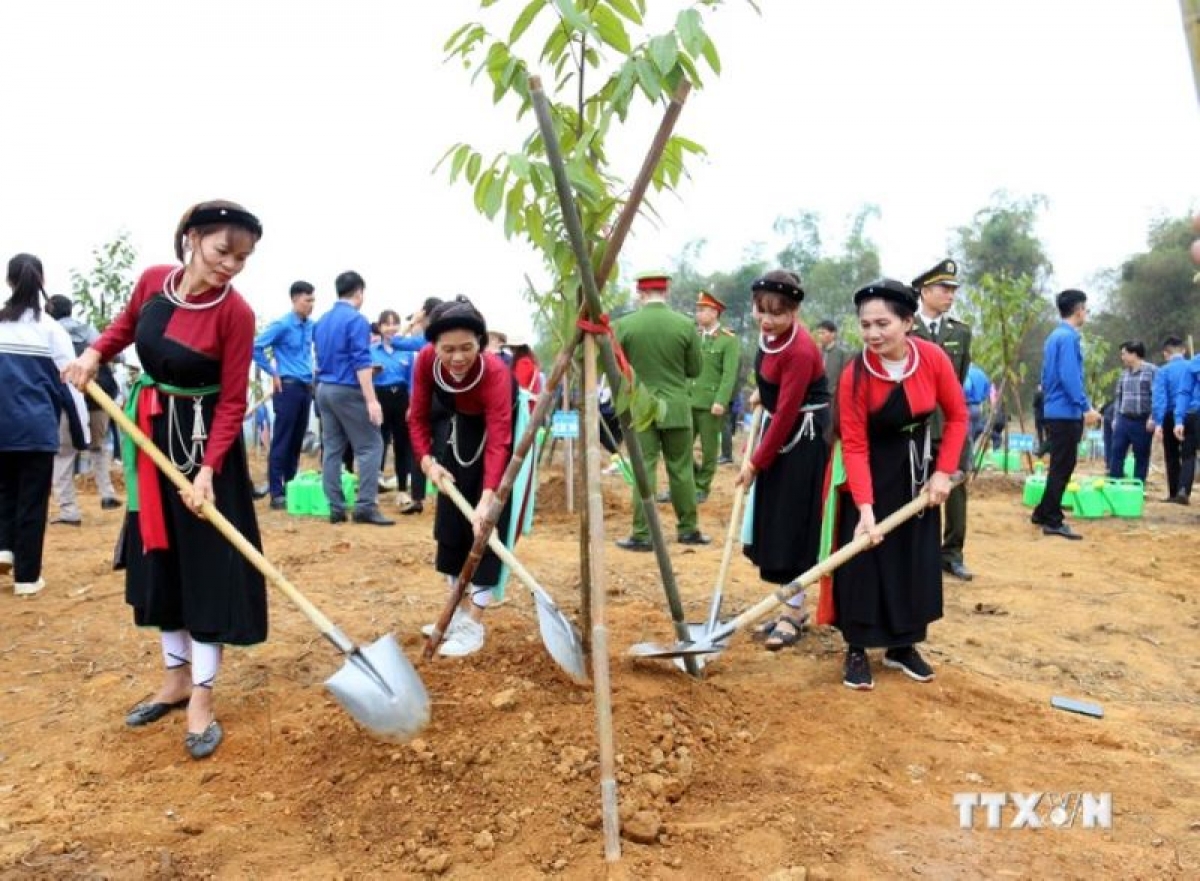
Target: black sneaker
[(908, 661), (278, 503), (857, 672)]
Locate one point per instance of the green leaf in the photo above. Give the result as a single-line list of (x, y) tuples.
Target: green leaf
[(627, 9), (473, 164), (572, 16), (482, 187), (663, 52), (518, 164), (648, 79), (460, 158), (494, 198), (710, 55), (514, 210), (525, 19), (689, 145), (691, 31)]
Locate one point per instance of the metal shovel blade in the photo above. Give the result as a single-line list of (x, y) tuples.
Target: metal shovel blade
[(704, 645), (696, 633), (560, 638), (379, 687)]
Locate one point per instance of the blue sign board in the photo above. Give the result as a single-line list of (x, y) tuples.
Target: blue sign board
[(565, 424)]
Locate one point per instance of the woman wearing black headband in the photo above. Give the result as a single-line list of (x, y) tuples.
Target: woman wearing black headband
[(887, 596), (469, 444), (792, 453), (194, 335)]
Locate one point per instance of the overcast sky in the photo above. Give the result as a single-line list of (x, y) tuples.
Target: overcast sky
[(326, 118)]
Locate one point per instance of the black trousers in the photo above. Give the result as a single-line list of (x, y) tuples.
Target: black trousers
[(1187, 453), (1063, 436), (393, 401), (24, 501), (1172, 459)]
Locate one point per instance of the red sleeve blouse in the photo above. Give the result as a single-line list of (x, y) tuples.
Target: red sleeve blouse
[(794, 369), (492, 397), (933, 384), (224, 333)]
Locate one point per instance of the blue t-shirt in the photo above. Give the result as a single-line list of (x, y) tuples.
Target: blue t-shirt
[(1062, 374), (343, 342), (290, 340)]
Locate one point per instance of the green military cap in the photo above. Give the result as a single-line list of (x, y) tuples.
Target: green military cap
[(945, 272)]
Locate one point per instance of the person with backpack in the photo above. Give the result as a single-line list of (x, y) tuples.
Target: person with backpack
[(99, 451)]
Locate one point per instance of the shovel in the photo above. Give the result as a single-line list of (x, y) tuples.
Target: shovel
[(715, 642), (698, 631), (558, 634), (377, 684)]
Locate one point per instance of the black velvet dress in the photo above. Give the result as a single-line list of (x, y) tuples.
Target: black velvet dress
[(200, 583), (887, 595)]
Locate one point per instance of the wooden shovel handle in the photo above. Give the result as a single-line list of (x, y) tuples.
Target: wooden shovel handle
[(816, 573), (216, 518), (498, 547)]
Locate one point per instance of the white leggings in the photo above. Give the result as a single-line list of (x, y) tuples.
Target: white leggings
[(480, 596), (179, 648)]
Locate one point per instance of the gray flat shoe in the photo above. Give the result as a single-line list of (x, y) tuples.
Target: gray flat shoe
[(203, 745), (144, 714)]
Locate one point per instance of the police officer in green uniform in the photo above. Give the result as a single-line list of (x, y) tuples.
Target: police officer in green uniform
[(664, 350), (937, 288), (713, 388)]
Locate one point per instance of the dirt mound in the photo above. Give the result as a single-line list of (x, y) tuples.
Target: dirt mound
[(767, 767)]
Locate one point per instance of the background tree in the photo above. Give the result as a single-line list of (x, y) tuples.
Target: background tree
[(1153, 295), (104, 290), (1005, 274)]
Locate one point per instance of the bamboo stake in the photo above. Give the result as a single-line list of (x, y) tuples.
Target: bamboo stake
[(562, 362), (1191, 29), (566, 198), (595, 579)]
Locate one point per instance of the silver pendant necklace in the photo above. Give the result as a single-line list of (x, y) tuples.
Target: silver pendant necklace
[(171, 292), (767, 350)]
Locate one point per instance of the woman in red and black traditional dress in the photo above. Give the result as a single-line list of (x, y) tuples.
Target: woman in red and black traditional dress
[(887, 596), (788, 468), (194, 335), (469, 444)]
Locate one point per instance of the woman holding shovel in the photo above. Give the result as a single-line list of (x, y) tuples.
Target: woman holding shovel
[(469, 446), (194, 335), (786, 510), (887, 596)]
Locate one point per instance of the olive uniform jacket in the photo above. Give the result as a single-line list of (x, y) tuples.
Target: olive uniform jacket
[(955, 339), (664, 349), (719, 356)]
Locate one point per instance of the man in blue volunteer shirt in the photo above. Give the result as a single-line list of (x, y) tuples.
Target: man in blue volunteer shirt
[(1187, 426), (350, 411), (977, 389), (284, 351), (1067, 409), (1167, 383)]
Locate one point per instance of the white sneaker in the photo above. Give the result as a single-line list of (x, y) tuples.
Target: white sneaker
[(6, 561), (465, 638), (427, 629), (29, 588)]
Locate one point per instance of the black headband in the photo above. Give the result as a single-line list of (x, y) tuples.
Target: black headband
[(456, 314), (224, 216), (789, 290)]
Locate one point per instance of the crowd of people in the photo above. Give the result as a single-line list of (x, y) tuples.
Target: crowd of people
[(848, 439)]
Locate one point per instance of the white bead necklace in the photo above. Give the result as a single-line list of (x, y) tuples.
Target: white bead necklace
[(440, 379), (171, 292), (767, 350), (912, 368)]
